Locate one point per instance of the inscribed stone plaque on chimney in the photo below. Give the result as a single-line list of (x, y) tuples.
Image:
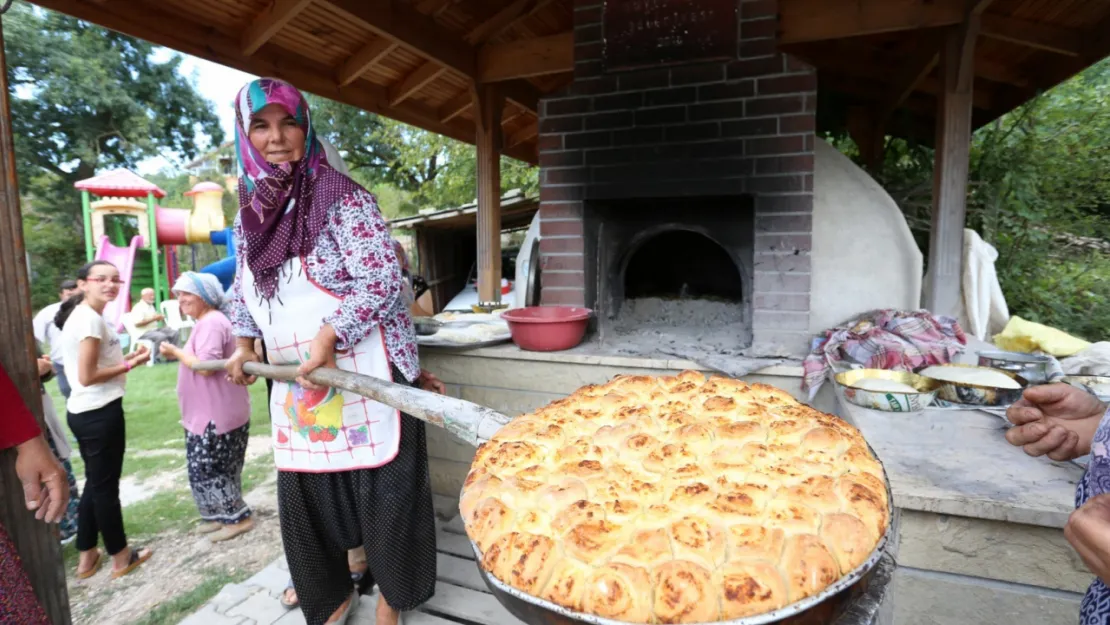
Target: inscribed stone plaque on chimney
[(650, 33)]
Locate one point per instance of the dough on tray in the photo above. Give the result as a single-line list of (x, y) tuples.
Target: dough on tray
[(675, 500)]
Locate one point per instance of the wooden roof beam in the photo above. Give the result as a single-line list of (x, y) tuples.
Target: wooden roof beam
[(504, 19), (526, 58), (527, 133), (411, 29), (909, 75), (270, 22), (456, 106), (370, 55), (414, 82), (1032, 34), (174, 31), (814, 20)]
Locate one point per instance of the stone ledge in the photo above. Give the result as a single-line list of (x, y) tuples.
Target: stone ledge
[(1010, 552), (929, 598)]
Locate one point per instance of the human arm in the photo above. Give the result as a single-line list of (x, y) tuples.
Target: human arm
[(362, 235), (1057, 420), (88, 370), (374, 275), (242, 322), (207, 343), (38, 324), (35, 464), (1088, 532)]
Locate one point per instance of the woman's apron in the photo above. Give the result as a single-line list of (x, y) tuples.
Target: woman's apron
[(327, 430)]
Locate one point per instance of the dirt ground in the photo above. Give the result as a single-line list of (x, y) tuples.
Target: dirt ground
[(181, 562)]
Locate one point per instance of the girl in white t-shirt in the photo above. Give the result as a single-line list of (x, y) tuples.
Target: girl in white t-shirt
[(97, 370)]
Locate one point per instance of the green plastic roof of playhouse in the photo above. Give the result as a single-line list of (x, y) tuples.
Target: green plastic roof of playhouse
[(119, 183)]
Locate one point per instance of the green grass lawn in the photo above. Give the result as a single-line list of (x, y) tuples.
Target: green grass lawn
[(154, 421)]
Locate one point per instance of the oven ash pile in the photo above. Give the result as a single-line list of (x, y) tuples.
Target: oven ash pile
[(709, 331)]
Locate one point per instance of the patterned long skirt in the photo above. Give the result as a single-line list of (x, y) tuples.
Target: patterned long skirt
[(18, 603), (216, 471), (67, 527)]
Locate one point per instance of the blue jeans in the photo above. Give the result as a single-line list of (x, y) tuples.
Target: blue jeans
[(63, 383)]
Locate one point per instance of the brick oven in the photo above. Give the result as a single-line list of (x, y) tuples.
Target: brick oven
[(676, 176)]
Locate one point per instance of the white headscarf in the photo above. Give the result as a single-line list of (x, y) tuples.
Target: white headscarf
[(204, 285)]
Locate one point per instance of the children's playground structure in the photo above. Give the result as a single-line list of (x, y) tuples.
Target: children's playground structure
[(119, 203)]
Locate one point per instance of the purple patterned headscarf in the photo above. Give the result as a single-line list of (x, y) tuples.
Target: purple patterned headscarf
[(283, 208)]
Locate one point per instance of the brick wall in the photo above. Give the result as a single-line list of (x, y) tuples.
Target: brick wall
[(706, 129)]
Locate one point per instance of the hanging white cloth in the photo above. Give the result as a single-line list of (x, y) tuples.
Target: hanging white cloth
[(984, 311)]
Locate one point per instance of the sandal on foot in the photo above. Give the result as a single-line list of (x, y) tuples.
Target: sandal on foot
[(227, 532), (92, 569), (285, 603), (137, 558), (209, 526)]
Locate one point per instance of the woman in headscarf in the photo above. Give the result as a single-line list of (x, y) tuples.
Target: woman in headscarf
[(45, 491), (319, 282), (215, 412)]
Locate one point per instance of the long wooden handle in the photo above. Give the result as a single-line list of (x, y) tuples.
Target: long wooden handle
[(468, 421)]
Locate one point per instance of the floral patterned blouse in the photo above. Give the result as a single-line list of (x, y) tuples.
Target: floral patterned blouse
[(354, 259)]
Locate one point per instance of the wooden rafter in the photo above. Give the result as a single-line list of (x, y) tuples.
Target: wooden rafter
[(526, 58), (504, 19), (368, 56), (908, 76), (455, 106), (526, 133), (414, 82), (412, 30), (179, 33), (1032, 34), (270, 22), (484, 31), (815, 20)]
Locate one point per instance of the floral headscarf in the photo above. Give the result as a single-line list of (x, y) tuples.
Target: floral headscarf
[(283, 208)]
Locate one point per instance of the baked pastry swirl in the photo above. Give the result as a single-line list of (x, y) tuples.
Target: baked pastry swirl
[(675, 500)]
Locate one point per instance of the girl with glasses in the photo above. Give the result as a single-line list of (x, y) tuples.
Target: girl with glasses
[(97, 368)]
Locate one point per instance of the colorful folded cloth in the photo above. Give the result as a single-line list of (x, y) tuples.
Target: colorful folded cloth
[(895, 340)]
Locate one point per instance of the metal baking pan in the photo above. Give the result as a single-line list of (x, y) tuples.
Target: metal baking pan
[(823, 607)]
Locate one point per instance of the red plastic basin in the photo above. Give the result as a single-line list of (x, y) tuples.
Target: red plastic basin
[(547, 328)]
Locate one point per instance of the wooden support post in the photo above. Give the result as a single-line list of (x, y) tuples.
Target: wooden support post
[(488, 104), (36, 541), (953, 147)]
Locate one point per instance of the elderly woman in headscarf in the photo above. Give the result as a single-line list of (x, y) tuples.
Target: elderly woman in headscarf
[(215, 412), (318, 280)]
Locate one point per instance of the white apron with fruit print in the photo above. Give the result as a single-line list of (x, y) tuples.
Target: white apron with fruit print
[(328, 430)]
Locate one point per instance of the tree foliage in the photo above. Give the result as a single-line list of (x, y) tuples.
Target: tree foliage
[(1040, 194), (87, 99), (408, 167)]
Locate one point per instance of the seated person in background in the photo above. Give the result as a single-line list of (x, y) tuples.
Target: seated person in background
[(147, 322)]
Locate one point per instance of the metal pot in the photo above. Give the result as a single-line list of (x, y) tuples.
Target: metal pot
[(1035, 369), (888, 402)]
